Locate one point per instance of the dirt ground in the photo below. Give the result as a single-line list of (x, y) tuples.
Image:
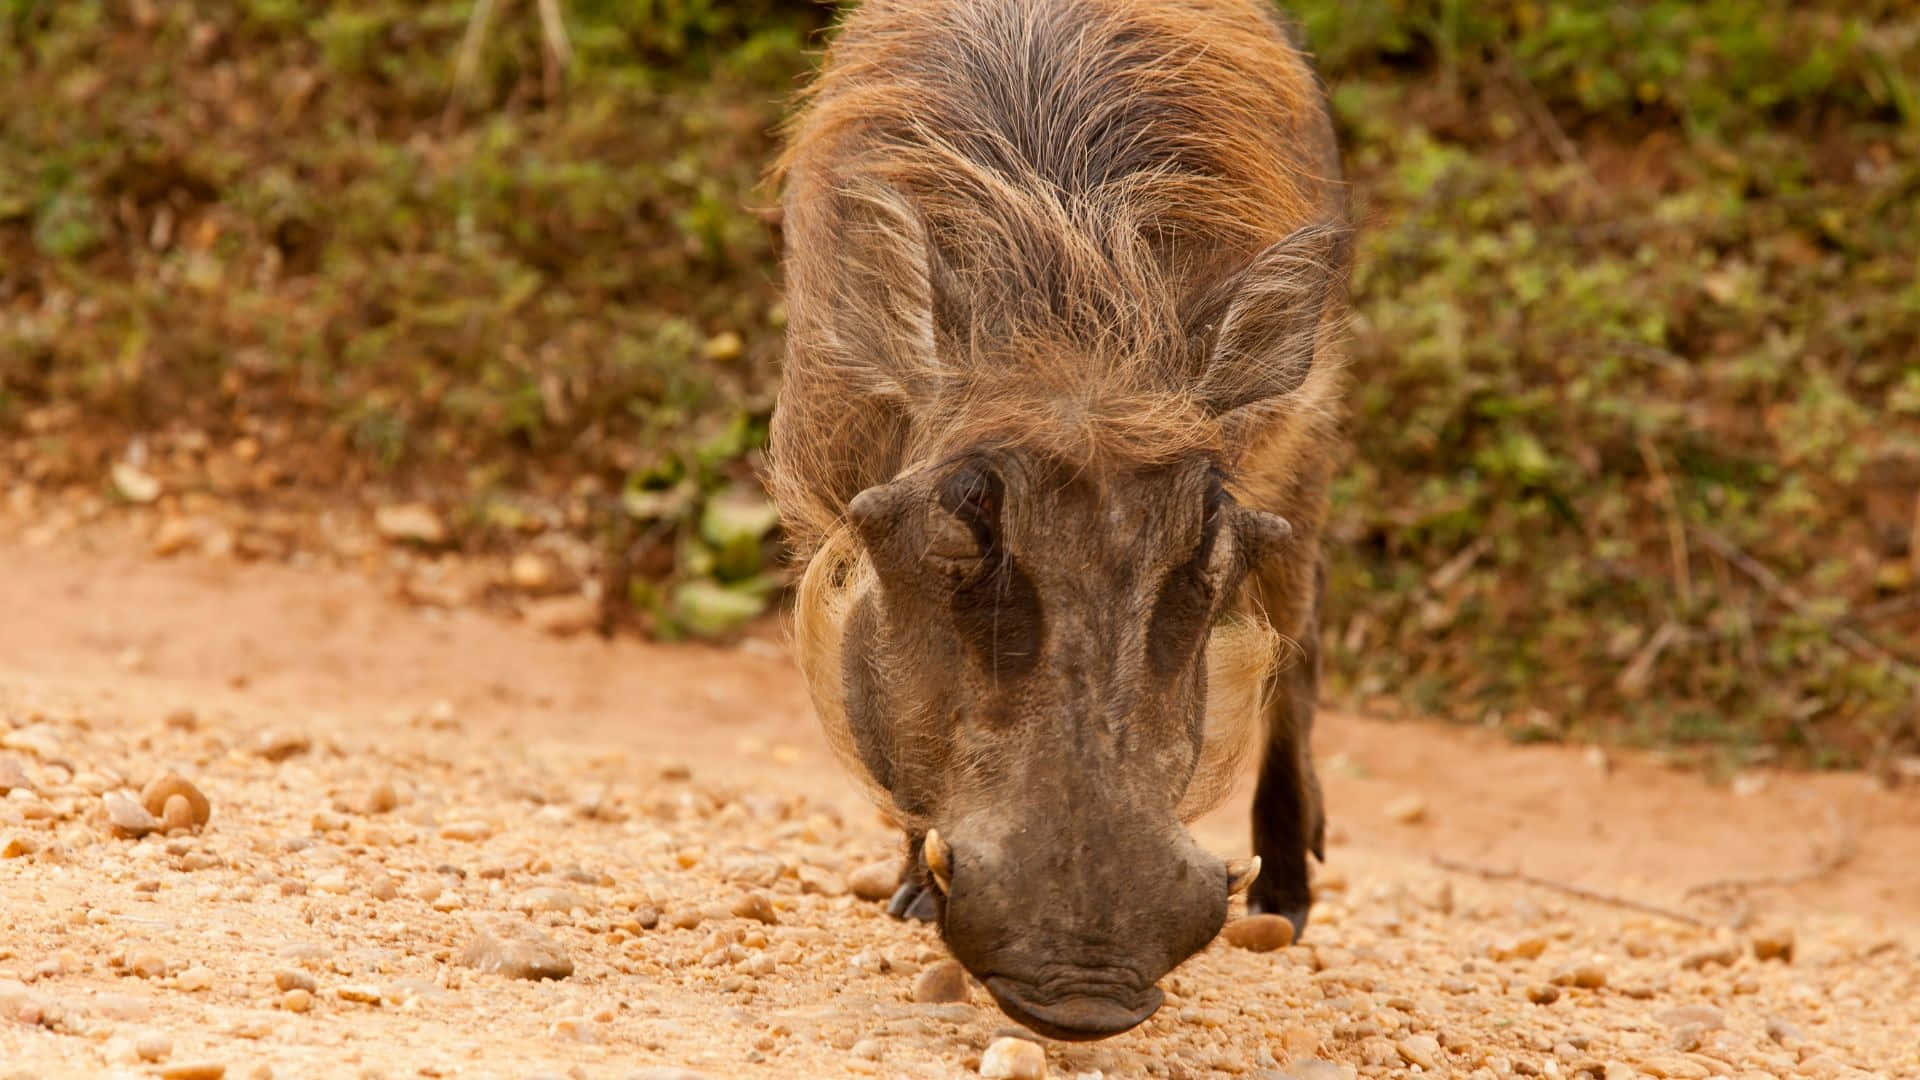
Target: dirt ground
[(410, 806)]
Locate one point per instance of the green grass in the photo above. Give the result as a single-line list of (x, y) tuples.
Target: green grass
[(262, 216), (1628, 272)]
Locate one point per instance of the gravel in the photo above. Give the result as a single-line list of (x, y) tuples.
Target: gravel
[(396, 896)]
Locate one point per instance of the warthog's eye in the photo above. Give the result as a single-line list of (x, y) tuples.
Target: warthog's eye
[(1184, 610), (963, 523), (994, 604)]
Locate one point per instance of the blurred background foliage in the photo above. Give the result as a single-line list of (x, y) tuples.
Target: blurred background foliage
[(1636, 417)]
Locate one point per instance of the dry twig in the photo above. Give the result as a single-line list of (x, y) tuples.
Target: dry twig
[(1676, 529), (468, 60), (1549, 126), (559, 51), (1891, 608), (556, 56), (1610, 900), (1838, 853)]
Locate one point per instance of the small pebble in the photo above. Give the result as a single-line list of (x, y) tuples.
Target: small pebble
[(1543, 993), (168, 785), (563, 615), (153, 1046), (466, 830), (1783, 1032), (551, 898), (1407, 810), (1300, 1041), (290, 979), (1774, 944), (177, 814), (1009, 1058), (194, 979), (1259, 933), (297, 1000), (530, 571), (518, 951), (1587, 976), (410, 522), (753, 870), (365, 995), (147, 963), (198, 1070), (943, 983), (1421, 1050), (756, 906), (816, 880), (13, 776), (383, 887), (382, 799), (280, 744), (874, 881), (1527, 948), (127, 816), (1723, 955)]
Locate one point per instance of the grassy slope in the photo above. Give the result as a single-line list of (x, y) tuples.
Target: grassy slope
[(1630, 271), (1640, 290)]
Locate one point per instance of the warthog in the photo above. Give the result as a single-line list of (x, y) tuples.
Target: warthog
[(1053, 443)]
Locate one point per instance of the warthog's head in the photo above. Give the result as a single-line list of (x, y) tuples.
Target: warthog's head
[(1030, 680)]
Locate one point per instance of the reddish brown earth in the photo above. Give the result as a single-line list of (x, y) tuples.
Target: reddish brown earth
[(389, 781)]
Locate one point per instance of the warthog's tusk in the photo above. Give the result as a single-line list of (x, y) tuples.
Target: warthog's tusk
[(1240, 874), (939, 860)]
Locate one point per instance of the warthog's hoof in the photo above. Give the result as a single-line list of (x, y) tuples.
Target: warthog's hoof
[(911, 901), (1296, 916)]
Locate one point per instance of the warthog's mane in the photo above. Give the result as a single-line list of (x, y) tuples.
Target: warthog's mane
[(1242, 654), (1012, 223), (1013, 215)]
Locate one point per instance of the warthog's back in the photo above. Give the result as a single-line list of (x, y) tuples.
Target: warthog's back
[(1060, 183)]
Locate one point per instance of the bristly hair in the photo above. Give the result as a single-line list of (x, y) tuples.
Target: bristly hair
[(1007, 219)]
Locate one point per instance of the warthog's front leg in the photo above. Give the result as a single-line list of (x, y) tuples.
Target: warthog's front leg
[(1288, 818)]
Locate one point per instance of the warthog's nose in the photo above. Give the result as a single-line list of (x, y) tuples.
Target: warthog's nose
[(1073, 1017)]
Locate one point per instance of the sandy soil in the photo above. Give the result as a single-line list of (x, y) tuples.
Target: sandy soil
[(403, 797)]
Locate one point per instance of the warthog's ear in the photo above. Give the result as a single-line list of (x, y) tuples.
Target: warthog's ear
[(1261, 534), (890, 290), (1259, 330), (877, 516)]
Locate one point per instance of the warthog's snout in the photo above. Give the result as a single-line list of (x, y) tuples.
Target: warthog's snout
[(1072, 945), (1100, 1010)]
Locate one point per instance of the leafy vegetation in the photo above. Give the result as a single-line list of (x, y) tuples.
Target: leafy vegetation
[(284, 221), (1636, 416), (1640, 321)]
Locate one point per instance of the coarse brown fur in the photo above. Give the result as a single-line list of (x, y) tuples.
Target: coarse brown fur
[(1209, 144), (1082, 258)]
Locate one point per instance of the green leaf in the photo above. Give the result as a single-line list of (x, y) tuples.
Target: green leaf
[(736, 516), (709, 609)]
